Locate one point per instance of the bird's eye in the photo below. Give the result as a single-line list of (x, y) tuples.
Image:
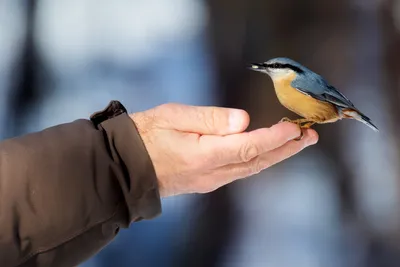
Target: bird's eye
[(276, 65)]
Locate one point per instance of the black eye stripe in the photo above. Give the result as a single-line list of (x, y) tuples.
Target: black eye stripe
[(283, 66), (275, 66)]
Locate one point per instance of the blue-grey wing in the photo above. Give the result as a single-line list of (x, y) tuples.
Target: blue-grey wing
[(318, 88)]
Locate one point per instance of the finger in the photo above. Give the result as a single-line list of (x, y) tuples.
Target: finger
[(202, 120), (241, 170), (244, 147)]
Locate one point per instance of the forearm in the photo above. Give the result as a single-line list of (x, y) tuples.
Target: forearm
[(67, 190)]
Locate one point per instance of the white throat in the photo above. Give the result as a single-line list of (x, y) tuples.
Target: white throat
[(279, 73)]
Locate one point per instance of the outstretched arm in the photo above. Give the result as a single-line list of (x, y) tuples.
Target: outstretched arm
[(66, 191)]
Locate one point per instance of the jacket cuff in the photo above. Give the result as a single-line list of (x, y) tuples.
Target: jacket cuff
[(139, 181)]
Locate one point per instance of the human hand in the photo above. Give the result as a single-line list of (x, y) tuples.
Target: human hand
[(199, 149)]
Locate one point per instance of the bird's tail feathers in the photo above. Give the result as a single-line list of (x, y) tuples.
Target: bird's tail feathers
[(357, 115)]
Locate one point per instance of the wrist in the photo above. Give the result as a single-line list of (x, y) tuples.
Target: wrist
[(143, 125)]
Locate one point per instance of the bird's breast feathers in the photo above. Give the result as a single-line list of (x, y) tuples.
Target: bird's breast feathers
[(301, 103)]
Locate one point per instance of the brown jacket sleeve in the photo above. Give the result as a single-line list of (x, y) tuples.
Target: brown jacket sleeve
[(66, 191)]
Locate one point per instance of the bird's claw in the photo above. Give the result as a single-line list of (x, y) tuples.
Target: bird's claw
[(285, 119), (301, 135), (302, 123)]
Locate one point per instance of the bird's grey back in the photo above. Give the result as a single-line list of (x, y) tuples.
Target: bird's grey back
[(314, 84)]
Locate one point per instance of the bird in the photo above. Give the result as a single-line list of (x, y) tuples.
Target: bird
[(308, 94)]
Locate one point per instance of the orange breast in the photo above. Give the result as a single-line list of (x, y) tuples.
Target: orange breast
[(302, 104)]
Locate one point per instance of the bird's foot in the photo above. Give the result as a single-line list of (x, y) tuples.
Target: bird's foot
[(307, 125), (301, 135), (298, 122), (302, 123), (286, 119)]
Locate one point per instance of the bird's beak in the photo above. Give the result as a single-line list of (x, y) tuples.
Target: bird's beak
[(257, 67)]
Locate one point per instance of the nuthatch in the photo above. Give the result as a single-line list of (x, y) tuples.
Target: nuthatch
[(308, 94)]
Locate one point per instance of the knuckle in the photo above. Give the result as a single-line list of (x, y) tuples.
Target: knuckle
[(248, 152), (256, 167), (161, 108), (168, 105), (167, 108), (211, 119)]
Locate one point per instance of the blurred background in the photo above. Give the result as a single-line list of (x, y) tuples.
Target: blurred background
[(335, 204)]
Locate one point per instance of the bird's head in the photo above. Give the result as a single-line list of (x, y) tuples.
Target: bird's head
[(278, 68)]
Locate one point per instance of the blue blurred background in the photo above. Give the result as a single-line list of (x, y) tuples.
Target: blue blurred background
[(335, 204)]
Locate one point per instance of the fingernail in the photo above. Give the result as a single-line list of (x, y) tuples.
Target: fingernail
[(236, 120)]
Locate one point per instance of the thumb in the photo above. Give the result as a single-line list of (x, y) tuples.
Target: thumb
[(201, 119)]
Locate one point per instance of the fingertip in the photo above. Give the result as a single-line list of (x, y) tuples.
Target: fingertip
[(291, 130), (239, 120), (312, 136)]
